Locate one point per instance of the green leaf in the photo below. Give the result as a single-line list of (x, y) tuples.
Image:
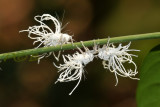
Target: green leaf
[(148, 91)]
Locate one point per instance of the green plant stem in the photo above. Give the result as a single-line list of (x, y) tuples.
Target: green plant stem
[(28, 52)]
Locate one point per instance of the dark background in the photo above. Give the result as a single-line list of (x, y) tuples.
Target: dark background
[(28, 84)]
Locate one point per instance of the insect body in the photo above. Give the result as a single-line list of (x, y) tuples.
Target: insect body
[(115, 58), (45, 36), (73, 67)]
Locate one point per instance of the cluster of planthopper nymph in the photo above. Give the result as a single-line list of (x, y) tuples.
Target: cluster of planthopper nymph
[(113, 58)]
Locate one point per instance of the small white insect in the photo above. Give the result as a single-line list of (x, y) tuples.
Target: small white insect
[(46, 36), (73, 67), (114, 59)]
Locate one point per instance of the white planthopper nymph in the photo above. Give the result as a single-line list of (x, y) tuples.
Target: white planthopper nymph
[(45, 36), (73, 67), (114, 59)]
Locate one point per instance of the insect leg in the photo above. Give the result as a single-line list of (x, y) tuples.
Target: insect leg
[(55, 56), (80, 50), (72, 41), (86, 49)]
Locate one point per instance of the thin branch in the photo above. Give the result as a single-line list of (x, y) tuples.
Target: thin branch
[(90, 43)]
